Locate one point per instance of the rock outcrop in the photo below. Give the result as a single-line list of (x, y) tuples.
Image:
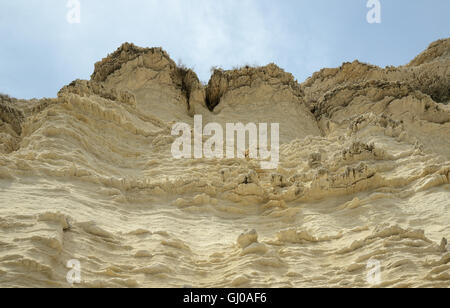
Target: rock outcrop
[(363, 177)]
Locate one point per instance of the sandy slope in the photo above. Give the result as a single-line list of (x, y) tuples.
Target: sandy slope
[(364, 174)]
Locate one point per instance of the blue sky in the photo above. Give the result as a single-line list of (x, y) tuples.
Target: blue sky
[(40, 51)]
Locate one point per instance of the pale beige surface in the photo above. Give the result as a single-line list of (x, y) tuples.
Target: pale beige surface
[(364, 173)]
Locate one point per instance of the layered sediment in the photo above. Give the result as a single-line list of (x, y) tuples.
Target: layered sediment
[(364, 174)]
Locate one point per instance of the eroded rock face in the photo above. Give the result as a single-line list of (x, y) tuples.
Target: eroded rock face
[(222, 82), (364, 173), (131, 68), (230, 95), (428, 73), (437, 51), (124, 54), (10, 114), (86, 88)]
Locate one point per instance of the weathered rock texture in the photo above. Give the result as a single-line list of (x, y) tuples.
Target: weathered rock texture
[(364, 174)]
